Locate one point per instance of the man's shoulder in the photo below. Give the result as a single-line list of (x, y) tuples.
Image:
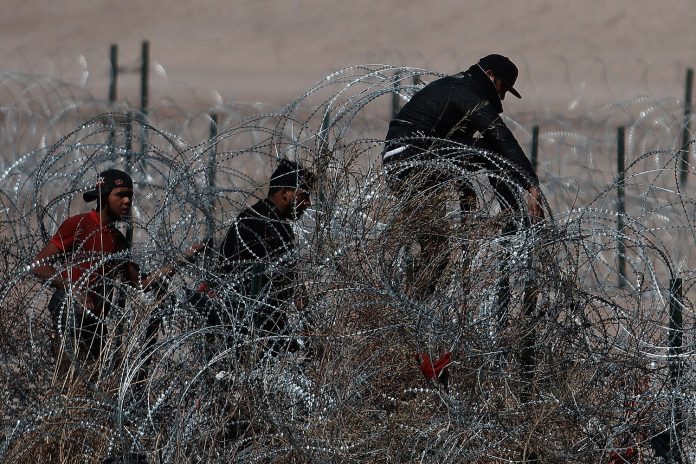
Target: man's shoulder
[(460, 78), (79, 218), (76, 221), (252, 218), (261, 219), (461, 86), (464, 80), (92, 222), (85, 228), (262, 210), (444, 82)]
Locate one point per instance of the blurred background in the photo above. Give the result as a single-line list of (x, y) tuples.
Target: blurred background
[(572, 55)]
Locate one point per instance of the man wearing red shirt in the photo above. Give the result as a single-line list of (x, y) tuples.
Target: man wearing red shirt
[(83, 260)]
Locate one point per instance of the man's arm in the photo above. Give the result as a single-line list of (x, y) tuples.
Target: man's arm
[(485, 119), (45, 270), (500, 138), (61, 241), (167, 271), (48, 273), (497, 134), (534, 204)]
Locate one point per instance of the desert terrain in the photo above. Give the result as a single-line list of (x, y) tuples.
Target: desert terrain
[(572, 55)]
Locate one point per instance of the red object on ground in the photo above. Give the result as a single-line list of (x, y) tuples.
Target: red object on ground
[(434, 370), (616, 458), (205, 288)]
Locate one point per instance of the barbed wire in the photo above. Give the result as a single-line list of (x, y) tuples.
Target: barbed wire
[(554, 351)]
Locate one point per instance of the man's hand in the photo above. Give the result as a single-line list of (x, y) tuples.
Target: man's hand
[(534, 205), (44, 270), (193, 252), (82, 300), (166, 271)]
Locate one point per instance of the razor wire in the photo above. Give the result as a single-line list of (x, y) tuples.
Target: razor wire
[(554, 353)]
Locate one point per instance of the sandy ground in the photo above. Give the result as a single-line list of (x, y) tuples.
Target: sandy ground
[(570, 53)]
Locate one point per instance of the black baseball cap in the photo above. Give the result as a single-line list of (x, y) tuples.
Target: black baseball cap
[(292, 175), (106, 182), (503, 69)]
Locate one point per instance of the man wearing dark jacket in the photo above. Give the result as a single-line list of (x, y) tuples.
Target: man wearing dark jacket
[(464, 108), (258, 255), (449, 113)]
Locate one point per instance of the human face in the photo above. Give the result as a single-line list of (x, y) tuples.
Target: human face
[(500, 87), (296, 203), (302, 201), (119, 202)]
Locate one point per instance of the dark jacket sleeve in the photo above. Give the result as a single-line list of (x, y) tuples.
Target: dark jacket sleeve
[(498, 137), (244, 242)]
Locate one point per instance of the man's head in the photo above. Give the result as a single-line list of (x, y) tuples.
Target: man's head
[(502, 72), (289, 189), (113, 192)]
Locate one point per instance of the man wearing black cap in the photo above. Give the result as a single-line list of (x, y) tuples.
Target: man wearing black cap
[(257, 255), (464, 108), (88, 248)]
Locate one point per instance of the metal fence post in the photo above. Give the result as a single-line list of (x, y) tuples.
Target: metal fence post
[(395, 95), (324, 133), (530, 298), (113, 75), (686, 132), (676, 349), (534, 155), (144, 92), (113, 80), (212, 164), (144, 77), (621, 204), (129, 168), (129, 142), (324, 154)]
